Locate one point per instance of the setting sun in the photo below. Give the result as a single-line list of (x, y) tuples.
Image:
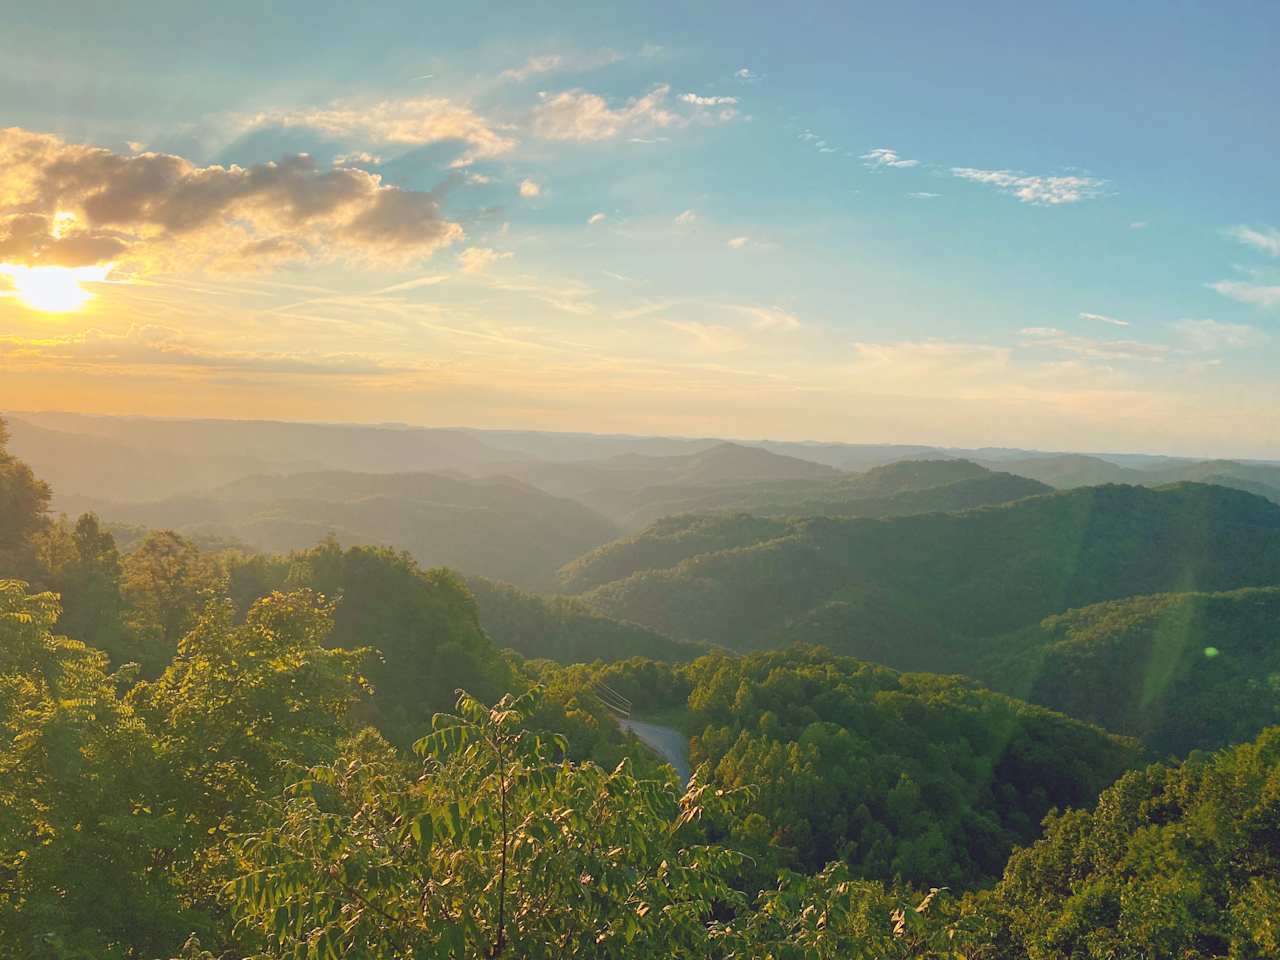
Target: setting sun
[(53, 289)]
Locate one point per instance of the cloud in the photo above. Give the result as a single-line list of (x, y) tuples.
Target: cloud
[(584, 117), (686, 218), (744, 74), (1210, 335), (357, 159), (413, 121), (1245, 291), (1139, 225), (153, 346), (1039, 191), (1103, 318), (737, 243), (770, 318), (530, 189), (1090, 348), (715, 338), (884, 157), (698, 101), (597, 218), (922, 195), (75, 205), (565, 63), (909, 366), (479, 259), (1266, 239)]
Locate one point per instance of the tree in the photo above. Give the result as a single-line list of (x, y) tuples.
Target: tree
[(24, 502), (165, 582), (83, 565), (82, 801), (501, 848)]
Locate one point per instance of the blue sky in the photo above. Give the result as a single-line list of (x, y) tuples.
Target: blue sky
[(1018, 225)]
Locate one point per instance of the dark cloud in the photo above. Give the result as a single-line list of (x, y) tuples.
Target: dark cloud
[(68, 203)]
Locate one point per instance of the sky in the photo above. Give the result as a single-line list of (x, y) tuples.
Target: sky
[(1000, 224)]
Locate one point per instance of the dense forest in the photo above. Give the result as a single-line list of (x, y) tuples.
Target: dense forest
[(207, 751)]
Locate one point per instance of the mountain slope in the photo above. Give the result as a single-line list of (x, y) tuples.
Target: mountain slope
[(977, 573), (496, 528), (1179, 671)]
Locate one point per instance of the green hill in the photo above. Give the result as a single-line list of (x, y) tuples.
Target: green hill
[(1179, 671), (565, 629), (956, 576), (496, 527), (932, 779)]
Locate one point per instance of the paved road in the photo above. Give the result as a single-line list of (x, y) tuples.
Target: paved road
[(668, 742)]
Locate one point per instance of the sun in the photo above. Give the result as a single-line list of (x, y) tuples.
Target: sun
[(53, 289)]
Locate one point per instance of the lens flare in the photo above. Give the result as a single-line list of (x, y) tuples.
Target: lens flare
[(53, 289)]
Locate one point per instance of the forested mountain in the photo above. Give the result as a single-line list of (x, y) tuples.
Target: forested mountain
[(208, 754), (495, 527), (932, 779), (565, 629), (1179, 671), (972, 574)]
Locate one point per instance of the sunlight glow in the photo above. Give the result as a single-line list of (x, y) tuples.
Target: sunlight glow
[(53, 289)]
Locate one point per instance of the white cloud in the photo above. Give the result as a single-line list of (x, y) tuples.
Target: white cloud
[(597, 218), (1210, 335), (356, 159), (922, 195), (1139, 225), (1103, 318), (698, 101), (686, 218), (1090, 348), (479, 259), (1258, 294), (412, 121), (1266, 239), (1040, 191), (770, 318), (530, 189), (581, 116), (713, 337), (737, 243), (745, 74), (884, 157)]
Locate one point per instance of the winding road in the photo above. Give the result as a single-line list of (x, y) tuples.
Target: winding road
[(669, 743)]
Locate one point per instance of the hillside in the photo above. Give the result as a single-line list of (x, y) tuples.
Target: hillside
[(1179, 671), (565, 629), (895, 774), (977, 573), (497, 528)]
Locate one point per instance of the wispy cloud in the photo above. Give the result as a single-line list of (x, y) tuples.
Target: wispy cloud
[(1259, 294), (1091, 348), (737, 243), (884, 157), (686, 218), (597, 218), (1103, 318), (581, 116), (770, 318), (712, 337), (923, 195), (1211, 335), (745, 74), (699, 101), (1266, 239), (412, 121), (478, 259), (1038, 190)]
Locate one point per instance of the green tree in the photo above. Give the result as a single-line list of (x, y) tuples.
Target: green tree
[(83, 565), (500, 848), (165, 582), (24, 502), (83, 802)]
